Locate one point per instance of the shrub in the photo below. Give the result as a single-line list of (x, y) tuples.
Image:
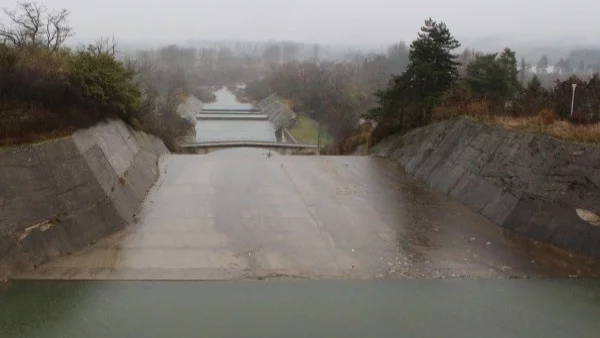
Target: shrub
[(547, 116), (107, 82), (361, 136), (477, 109), (44, 92), (580, 117)]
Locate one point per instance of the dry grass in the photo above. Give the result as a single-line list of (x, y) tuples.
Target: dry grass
[(563, 130), (22, 124), (35, 137), (361, 136)]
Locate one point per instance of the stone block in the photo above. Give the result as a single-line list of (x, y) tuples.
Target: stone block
[(143, 173), (98, 163)]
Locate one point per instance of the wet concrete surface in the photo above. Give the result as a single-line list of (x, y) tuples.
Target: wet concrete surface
[(241, 214)]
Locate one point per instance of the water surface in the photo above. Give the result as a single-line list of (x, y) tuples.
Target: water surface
[(226, 100), (434, 308), (219, 130)]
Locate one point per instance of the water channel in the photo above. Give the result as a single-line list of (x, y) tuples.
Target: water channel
[(225, 99), (220, 130), (434, 308), (460, 307)]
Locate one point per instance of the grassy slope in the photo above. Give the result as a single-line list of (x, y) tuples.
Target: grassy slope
[(306, 131)]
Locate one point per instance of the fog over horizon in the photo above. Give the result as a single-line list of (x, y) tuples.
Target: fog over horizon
[(344, 22)]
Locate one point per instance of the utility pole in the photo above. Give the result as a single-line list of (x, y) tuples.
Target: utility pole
[(573, 99), (319, 139)]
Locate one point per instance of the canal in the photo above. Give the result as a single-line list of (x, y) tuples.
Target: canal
[(303, 247), (225, 99), (221, 130), (410, 308)]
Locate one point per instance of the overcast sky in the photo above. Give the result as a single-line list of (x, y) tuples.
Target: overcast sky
[(328, 21)]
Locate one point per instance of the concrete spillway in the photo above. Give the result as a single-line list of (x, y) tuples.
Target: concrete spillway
[(241, 214)]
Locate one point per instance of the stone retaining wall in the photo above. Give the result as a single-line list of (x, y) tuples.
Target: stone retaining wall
[(538, 186), (61, 195)]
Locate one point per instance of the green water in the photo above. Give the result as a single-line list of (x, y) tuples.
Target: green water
[(440, 308)]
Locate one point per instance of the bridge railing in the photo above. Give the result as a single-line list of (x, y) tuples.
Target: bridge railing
[(239, 144)]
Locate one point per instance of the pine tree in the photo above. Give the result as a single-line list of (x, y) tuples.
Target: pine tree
[(431, 61), (535, 86), (523, 72), (487, 78), (508, 63), (542, 65), (568, 67), (494, 78), (534, 97), (432, 69)]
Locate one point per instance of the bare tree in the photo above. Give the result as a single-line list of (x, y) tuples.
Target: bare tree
[(316, 50), (57, 30), (32, 24), (289, 51), (104, 46), (272, 54)]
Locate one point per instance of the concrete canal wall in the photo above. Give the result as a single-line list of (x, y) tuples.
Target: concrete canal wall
[(279, 114), (543, 188), (61, 195)]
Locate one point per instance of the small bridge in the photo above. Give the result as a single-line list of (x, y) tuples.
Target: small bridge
[(208, 111), (263, 126), (281, 148)]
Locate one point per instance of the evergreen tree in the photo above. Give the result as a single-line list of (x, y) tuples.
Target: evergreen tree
[(409, 100), (542, 65), (487, 78), (534, 97), (431, 62), (559, 66), (508, 63), (563, 67), (494, 77), (535, 86), (568, 67), (523, 72)]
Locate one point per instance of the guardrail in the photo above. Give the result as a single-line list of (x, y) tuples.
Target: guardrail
[(231, 116), (215, 111), (256, 144)]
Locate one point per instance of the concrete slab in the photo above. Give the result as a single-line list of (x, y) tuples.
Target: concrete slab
[(237, 214)]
